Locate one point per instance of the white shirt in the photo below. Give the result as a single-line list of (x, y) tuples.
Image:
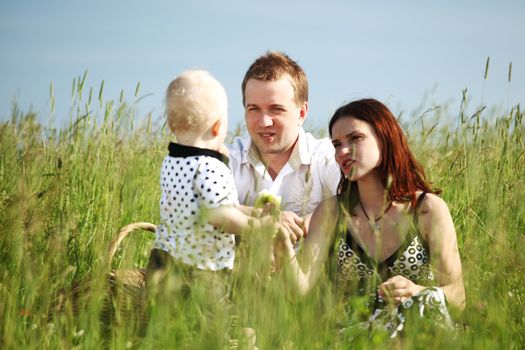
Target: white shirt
[(192, 180), (310, 175)]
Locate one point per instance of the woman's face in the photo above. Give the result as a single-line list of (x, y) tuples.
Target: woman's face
[(356, 147)]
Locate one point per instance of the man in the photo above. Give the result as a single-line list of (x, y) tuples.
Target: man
[(279, 156)]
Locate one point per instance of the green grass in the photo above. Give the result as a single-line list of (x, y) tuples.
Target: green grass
[(64, 193)]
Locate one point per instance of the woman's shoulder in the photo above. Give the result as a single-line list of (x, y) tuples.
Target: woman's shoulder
[(329, 205), (326, 213), (323, 222), (430, 203), (431, 211)]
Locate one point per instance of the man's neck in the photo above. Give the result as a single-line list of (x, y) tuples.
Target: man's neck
[(275, 162)]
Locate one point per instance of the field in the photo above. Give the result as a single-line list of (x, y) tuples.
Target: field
[(64, 194)]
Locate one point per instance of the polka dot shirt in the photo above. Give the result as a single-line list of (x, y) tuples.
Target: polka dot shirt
[(192, 180)]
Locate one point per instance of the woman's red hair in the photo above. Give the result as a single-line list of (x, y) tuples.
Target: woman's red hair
[(397, 161)]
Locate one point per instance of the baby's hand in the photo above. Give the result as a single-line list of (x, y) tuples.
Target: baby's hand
[(269, 203), (291, 222), (269, 209)]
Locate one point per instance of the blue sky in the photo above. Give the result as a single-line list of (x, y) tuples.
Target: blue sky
[(396, 51)]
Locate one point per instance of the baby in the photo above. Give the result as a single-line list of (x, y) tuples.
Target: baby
[(199, 208)]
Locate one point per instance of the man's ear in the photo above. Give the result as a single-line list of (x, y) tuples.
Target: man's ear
[(216, 127), (303, 113)]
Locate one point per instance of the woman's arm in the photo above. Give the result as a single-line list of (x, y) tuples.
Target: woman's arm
[(303, 272), (436, 226)]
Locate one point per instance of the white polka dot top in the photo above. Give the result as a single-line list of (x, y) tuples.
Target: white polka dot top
[(192, 180)]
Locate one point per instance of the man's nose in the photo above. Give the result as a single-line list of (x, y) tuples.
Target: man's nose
[(266, 120)]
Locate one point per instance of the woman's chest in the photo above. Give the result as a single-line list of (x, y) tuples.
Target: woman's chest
[(381, 239), (411, 260)]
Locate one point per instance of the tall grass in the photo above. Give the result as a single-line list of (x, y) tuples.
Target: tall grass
[(64, 193)]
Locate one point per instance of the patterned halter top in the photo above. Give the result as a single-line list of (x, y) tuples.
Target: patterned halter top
[(411, 260)]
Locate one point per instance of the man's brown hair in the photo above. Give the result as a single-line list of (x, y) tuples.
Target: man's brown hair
[(273, 65)]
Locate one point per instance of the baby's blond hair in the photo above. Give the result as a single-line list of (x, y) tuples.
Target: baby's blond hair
[(194, 101)]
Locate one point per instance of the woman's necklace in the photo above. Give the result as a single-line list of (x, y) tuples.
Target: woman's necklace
[(375, 222)]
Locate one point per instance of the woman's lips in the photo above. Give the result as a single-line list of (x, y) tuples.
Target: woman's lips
[(346, 165)]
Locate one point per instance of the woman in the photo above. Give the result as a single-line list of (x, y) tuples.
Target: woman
[(393, 240)]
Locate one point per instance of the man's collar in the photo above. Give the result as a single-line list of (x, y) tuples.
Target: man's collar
[(301, 153), (178, 150)]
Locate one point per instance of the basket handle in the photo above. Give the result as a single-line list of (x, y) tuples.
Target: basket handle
[(126, 230)]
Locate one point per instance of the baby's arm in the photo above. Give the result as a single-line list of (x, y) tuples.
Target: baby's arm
[(233, 219), (293, 224), (250, 211)]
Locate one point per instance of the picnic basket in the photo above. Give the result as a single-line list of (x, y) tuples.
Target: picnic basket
[(130, 278), (125, 295)]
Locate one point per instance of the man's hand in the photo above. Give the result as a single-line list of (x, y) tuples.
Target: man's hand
[(294, 225)]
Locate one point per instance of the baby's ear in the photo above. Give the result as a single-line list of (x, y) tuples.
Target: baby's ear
[(216, 127)]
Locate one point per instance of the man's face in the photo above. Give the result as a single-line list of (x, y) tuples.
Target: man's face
[(272, 116)]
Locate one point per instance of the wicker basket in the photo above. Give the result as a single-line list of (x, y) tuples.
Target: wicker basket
[(131, 278), (126, 288), (127, 294)]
